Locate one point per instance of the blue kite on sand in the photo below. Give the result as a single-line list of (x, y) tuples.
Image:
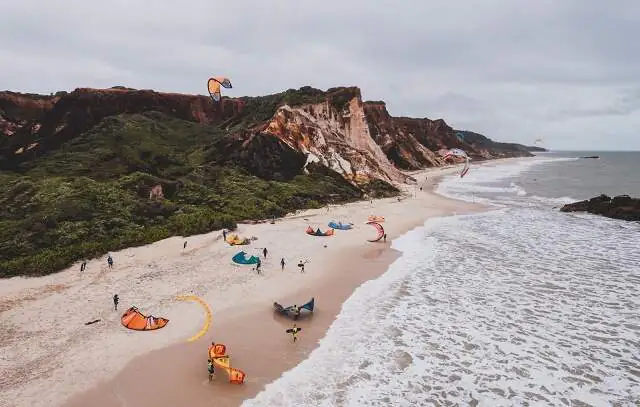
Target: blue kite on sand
[(340, 225)]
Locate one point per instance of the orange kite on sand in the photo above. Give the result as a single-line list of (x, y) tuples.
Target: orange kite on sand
[(374, 218), (134, 319), (218, 355), (318, 232)]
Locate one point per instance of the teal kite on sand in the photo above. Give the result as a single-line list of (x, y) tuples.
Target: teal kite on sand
[(241, 258)]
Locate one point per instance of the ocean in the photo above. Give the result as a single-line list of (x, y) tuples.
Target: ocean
[(519, 306)]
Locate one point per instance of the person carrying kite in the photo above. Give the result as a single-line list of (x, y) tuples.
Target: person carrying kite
[(294, 332)]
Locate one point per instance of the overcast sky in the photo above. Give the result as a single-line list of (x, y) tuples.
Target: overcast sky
[(567, 71)]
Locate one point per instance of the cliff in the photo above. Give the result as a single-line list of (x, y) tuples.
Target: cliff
[(359, 140), (94, 170)]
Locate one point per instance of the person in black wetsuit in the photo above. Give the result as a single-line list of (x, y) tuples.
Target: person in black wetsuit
[(264, 252), (210, 369), (282, 263), (116, 299)]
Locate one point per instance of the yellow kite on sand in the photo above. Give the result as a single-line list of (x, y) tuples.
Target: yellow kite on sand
[(235, 240), (208, 316)]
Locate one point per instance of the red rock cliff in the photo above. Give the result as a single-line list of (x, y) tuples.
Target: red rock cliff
[(359, 140)]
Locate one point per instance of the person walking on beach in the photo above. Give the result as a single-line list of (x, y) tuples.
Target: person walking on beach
[(224, 234), (110, 261), (83, 266), (301, 265), (258, 265), (116, 299), (210, 369), (282, 263), (294, 332), (384, 237), (264, 252), (184, 246)]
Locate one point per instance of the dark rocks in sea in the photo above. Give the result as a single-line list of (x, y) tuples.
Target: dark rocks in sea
[(591, 156), (620, 207)]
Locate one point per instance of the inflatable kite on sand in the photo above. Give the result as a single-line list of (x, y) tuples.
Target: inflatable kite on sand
[(318, 232), (292, 312), (374, 218), (218, 355), (134, 319), (213, 84), (241, 258), (340, 225), (208, 317), (235, 240), (380, 230)]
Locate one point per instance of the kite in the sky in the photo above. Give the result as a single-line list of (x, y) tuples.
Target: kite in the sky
[(456, 152), (214, 84)]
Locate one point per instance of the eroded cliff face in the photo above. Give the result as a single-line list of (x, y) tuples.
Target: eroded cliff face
[(400, 140), (335, 136), (274, 137)]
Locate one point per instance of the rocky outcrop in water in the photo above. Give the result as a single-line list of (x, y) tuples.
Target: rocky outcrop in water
[(620, 207)]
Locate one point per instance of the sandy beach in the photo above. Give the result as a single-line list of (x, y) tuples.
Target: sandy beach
[(45, 344)]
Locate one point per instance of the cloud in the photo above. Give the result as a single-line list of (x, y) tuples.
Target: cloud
[(515, 70)]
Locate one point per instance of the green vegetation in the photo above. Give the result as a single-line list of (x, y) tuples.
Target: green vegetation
[(92, 195), (260, 109)]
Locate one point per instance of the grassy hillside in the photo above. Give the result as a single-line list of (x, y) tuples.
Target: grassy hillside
[(91, 195)]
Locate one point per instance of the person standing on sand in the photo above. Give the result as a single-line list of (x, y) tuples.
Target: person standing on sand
[(258, 265), (116, 299), (83, 266), (110, 261), (210, 369), (184, 246), (301, 265), (264, 252), (294, 332), (384, 237), (282, 263)]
